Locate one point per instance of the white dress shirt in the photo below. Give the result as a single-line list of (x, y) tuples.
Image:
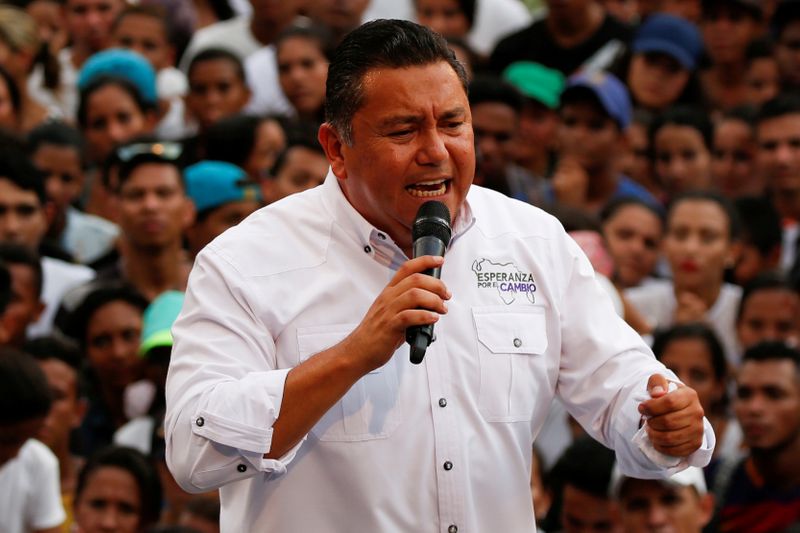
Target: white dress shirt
[(444, 446)]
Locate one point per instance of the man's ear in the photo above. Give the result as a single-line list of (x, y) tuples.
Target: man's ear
[(333, 146)]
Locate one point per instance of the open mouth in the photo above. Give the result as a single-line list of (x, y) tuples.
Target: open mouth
[(428, 189)]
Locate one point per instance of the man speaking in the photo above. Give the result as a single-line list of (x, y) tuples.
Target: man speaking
[(291, 388)]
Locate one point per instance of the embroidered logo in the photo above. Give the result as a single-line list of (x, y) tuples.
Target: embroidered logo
[(506, 278)]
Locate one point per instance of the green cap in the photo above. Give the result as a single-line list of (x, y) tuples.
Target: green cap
[(158, 319), (536, 81)]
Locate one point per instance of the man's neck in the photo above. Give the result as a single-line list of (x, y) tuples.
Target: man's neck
[(154, 270), (575, 29)]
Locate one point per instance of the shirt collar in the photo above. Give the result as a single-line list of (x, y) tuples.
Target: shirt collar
[(377, 243)]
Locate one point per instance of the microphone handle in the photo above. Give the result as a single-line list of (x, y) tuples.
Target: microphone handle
[(419, 337)]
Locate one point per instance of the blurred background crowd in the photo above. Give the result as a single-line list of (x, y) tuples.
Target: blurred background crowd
[(664, 135)]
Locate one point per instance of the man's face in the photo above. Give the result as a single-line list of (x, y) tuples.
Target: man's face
[(779, 161), (154, 210), (112, 343), (220, 219), (216, 90), (787, 54), (494, 124), (772, 314), (67, 410), (25, 306), (588, 135), (302, 169), (733, 160), (537, 131), (61, 166), (767, 403), (339, 15), (582, 512), (22, 217), (89, 21), (727, 30), (651, 506), (146, 35), (412, 142)]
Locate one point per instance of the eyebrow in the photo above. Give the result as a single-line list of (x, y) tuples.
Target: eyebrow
[(416, 119)]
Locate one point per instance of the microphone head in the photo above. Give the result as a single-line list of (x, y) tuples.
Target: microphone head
[(433, 219)]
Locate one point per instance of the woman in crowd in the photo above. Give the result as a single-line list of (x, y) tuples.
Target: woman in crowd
[(302, 55), (733, 166)]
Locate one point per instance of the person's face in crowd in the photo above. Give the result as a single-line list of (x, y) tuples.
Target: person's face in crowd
[(25, 306), (442, 16), (656, 80), (49, 23), (588, 134), (217, 221), (67, 410), (767, 403), (147, 36), (691, 360), (564, 10), (727, 30), (270, 141), (769, 314), (412, 142), (682, 160), (302, 169), (302, 72), (495, 125), (89, 21), (582, 512), (635, 162), (733, 164), (154, 209), (216, 90), (787, 54), (762, 81), (536, 132), (61, 166), (751, 261), (698, 244), (113, 118), (8, 114), (338, 15), (13, 436), (649, 505), (779, 161), (110, 501), (112, 343), (633, 237), (22, 216)]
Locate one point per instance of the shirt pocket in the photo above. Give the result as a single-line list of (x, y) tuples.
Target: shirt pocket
[(370, 409), (511, 345)]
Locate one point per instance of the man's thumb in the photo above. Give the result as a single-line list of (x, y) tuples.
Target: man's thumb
[(657, 385)]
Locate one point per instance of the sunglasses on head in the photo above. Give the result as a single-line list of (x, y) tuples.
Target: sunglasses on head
[(164, 150)]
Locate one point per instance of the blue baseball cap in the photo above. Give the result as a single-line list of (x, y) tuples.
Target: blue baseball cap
[(213, 183), (158, 319), (671, 35), (125, 64), (611, 93)]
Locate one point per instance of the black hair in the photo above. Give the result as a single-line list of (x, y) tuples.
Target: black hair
[(785, 14), (312, 32), (781, 105), (734, 224), (59, 134), (217, 54), (698, 331), (233, 138), (767, 281), (493, 89), (682, 115), (761, 223), (772, 351), (46, 348), (105, 80), (17, 254), (742, 113), (617, 204), (5, 288), (18, 169), (26, 392), (13, 91), (761, 48), (376, 44), (710, 7), (467, 8), (138, 466)]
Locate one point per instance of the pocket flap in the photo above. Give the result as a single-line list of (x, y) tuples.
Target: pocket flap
[(521, 330)]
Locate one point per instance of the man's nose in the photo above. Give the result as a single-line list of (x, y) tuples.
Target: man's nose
[(432, 150)]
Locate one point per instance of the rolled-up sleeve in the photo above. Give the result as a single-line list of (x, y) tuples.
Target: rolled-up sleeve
[(224, 389)]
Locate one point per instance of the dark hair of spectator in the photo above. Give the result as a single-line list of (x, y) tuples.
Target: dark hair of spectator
[(5, 287), (786, 13), (742, 113), (298, 134), (13, 91), (376, 44), (217, 54), (45, 348), (104, 81), (760, 49), (761, 223), (138, 466), (492, 89), (768, 281), (698, 331), (319, 35), (204, 508), (467, 8), (681, 115), (783, 104), (772, 351), (58, 134), (711, 9), (617, 204), (17, 254), (232, 138), (18, 169), (734, 224), (26, 393)]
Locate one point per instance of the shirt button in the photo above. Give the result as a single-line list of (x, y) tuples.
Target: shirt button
[(368, 249), (200, 422), (241, 468), (452, 529), (517, 343), (448, 465), (442, 402)]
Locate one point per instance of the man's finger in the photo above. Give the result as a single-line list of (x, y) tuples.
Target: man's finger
[(418, 264), (657, 385)]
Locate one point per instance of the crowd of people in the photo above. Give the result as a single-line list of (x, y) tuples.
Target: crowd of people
[(663, 134)]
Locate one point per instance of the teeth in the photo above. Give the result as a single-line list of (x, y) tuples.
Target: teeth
[(427, 193)]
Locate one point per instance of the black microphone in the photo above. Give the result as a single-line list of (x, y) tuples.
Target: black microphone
[(431, 234)]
